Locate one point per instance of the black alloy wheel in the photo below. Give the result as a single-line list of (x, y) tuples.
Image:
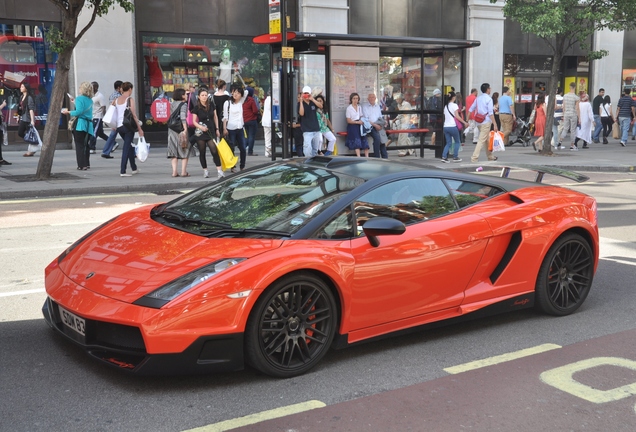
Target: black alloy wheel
[(566, 275), (291, 326)]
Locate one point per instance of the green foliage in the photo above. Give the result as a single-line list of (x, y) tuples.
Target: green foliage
[(56, 40)]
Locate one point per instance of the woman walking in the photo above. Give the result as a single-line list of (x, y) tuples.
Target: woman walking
[(451, 131), (219, 97), (83, 127), (179, 148), (606, 117), (127, 152), (26, 111), (586, 122), (233, 122), (539, 122), (266, 122), (354, 137), (2, 129), (206, 125)]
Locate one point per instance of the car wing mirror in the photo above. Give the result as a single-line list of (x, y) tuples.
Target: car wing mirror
[(380, 226)]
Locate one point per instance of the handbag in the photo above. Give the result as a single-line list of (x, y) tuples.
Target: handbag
[(129, 119), (174, 122), (532, 116), (142, 149), (31, 136), (110, 118), (189, 118), (616, 132), (228, 160), (498, 141), (459, 124), (183, 140)]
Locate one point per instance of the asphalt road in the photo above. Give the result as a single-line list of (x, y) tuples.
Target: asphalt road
[(47, 384)]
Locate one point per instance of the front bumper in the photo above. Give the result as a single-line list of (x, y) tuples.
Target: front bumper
[(123, 347)]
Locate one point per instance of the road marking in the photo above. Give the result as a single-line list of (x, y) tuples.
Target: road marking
[(562, 378), (259, 417), (500, 358), (23, 292), (76, 198)]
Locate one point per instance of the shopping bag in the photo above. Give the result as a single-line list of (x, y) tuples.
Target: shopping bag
[(142, 149), (228, 160), (32, 136), (110, 118), (498, 142), (491, 139), (616, 131)]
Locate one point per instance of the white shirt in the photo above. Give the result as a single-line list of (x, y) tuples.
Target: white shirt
[(449, 117), (372, 112), (99, 103), (605, 110), (352, 113), (483, 105), (233, 113)]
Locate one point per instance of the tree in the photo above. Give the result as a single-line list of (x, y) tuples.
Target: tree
[(63, 42), (562, 24)]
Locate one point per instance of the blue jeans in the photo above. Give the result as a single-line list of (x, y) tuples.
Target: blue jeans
[(634, 130), (598, 128), (624, 122), (110, 142), (250, 128), (311, 143), (379, 149), (237, 138), (127, 151), (451, 133)]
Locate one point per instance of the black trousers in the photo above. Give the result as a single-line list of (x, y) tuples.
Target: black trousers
[(82, 150)]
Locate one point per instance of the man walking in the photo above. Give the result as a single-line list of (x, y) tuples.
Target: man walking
[(111, 143), (483, 107), (472, 126), (506, 113), (99, 109), (372, 111), (570, 116), (625, 110), (596, 105)]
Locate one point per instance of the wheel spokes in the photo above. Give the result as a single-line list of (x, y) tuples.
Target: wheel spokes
[(569, 275)]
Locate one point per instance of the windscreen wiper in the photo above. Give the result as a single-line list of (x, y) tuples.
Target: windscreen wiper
[(180, 217), (243, 231)]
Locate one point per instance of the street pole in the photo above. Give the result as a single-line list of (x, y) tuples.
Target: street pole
[(283, 85)]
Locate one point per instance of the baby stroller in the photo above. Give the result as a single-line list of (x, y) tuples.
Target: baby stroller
[(521, 133)]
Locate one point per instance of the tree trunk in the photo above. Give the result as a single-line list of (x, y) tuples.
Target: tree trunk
[(552, 88)]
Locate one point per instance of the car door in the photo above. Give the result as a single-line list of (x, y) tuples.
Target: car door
[(423, 270)]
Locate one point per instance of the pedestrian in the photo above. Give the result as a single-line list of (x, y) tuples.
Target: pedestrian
[(83, 127), (403, 122), (459, 100), (308, 113), (233, 122), (436, 103), (539, 122), (99, 109), (596, 111), (586, 122), (557, 124), (507, 115), (2, 129), (127, 151), (451, 132), (325, 127), (372, 111), (266, 122), (206, 125), (495, 110), (606, 117), (26, 111), (179, 148), (625, 111), (353, 115), (219, 97), (482, 106), (570, 116), (111, 143), (472, 125), (250, 120)]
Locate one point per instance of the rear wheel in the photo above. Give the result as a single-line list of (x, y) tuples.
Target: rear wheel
[(291, 326), (565, 277)]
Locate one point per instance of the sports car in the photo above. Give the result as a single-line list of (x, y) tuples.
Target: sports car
[(273, 266)]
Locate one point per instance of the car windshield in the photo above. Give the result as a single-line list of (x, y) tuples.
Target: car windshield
[(277, 200)]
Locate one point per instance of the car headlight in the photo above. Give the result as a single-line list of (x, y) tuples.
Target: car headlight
[(159, 297)]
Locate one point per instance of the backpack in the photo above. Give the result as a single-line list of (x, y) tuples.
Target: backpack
[(174, 122)]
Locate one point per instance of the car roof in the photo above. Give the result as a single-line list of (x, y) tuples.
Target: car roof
[(374, 168)]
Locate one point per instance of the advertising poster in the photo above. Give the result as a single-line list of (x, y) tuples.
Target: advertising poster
[(351, 77), (510, 83)]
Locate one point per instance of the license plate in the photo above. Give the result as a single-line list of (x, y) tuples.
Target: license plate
[(73, 321)]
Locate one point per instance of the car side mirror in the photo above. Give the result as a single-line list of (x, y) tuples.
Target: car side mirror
[(380, 226)]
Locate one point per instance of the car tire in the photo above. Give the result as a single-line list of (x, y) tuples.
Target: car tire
[(291, 326), (565, 277)]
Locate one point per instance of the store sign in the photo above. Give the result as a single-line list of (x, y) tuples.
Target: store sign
[(287, 52), (160, 110)]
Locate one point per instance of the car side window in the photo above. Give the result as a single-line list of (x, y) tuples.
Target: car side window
[(467, 193), (407, 200), (340, 227)]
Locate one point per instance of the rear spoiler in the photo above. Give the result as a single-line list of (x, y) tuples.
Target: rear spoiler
[(542, 170)]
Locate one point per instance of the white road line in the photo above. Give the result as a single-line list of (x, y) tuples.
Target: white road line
[(259, 417), (500, 358), (23, 292)]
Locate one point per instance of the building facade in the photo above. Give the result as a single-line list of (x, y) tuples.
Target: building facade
[(166, 44)]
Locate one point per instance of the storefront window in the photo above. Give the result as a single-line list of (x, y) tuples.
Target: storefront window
[(25, 58), (171, 62)]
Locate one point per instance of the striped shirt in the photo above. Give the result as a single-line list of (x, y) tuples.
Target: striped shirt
[(625, 104)]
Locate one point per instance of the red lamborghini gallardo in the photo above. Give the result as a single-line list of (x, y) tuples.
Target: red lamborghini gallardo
[(275, 265)]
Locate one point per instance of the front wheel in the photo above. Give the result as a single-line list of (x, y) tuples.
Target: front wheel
[(565, 277), (291, 326)]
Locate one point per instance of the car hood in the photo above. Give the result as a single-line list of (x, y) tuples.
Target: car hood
[(134, 255)]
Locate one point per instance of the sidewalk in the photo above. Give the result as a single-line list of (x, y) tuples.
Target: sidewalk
[(17, 180)]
